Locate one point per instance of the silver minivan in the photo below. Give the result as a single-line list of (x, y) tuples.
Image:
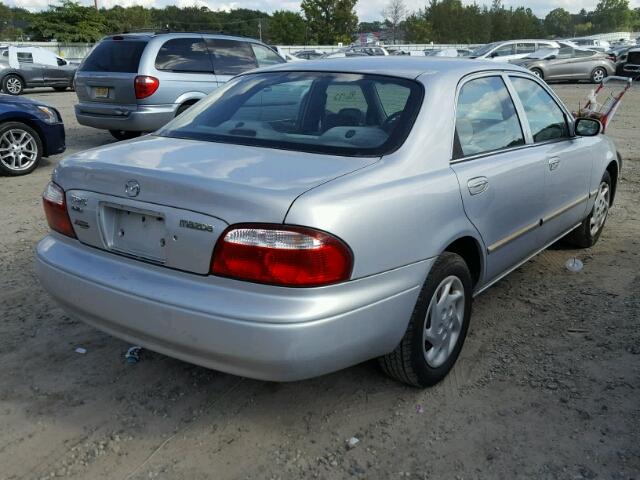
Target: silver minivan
[(134, 83)]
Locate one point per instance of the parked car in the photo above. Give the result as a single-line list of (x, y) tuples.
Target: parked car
[(300, 221), (288, 57), (629, 63), (441, 52), (568, 64), (592, 44), (129, 84), (29, 130), (511, 50), (308, 54), (357, 52), (29, 67)]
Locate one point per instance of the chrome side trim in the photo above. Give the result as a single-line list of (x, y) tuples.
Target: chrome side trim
[(566, 207), (508, 271), (511, 237)]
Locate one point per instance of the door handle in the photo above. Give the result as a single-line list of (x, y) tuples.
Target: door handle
[(477, 185), (553, 163)]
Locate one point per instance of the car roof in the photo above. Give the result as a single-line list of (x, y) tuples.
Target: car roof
[(149, 35), (403, 66)]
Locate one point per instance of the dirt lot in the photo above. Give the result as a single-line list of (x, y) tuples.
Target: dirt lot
[(548, 384)]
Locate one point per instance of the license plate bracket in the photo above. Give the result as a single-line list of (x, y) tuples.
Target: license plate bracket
[(101, 92), (137, 233)]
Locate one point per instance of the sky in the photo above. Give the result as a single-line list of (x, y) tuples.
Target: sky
[(367, 10)]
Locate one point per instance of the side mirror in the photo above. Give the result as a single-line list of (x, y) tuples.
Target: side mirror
[(587, 127), (551, 57), (493, 54)]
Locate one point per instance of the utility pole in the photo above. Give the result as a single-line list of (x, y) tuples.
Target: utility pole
[(95, 3), (259, 27)]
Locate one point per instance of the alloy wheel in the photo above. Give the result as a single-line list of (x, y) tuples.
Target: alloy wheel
[(598, 75), (444, 320), (600, 209), (18, 150), (14, 85)]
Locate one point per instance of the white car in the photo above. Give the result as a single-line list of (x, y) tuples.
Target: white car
[(511, 49)]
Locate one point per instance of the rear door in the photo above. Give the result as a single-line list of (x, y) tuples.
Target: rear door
[(501, 179), (30, 69), (230, 58), (567, 160), (105, 80)]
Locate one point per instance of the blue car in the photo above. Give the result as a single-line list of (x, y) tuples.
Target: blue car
[(29, 130)]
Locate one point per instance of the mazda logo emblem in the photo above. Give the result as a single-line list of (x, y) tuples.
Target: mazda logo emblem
[(132, 188)]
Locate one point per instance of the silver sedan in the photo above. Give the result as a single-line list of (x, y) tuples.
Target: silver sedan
[(301, 220)]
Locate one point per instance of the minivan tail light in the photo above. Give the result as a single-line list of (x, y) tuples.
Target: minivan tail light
[(55, 208), (145, 86), (281, 255)]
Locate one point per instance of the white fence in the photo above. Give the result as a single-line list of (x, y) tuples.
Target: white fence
[(77, 51)]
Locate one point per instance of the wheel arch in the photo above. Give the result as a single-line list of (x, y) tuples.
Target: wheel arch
[(17, 74), (30, 122), (470, 249), (614, 169)]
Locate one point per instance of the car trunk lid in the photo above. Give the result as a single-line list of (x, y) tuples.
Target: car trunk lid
[(156, 188)]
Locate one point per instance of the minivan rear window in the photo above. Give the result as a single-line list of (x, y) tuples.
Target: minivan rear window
[(114, 56), (322, 112)]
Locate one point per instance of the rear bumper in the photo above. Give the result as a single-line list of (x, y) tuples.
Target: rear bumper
[(258, 331), (146, 118)]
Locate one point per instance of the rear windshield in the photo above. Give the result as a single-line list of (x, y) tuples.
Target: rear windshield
[(342, 114), (114, 56)]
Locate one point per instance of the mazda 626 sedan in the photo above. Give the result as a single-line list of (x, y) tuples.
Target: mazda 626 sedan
[(304, 218)]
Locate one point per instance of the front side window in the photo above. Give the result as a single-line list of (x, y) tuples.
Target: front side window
[(319, 112), (486, 118), (230, 57), (546, 118), (184, 55), (265, 56)]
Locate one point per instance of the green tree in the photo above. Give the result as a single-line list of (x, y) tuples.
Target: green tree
[(612, 15), (130, 19), (418, 28), (287, 28), (68, 22), (558, 22), (331, 21)]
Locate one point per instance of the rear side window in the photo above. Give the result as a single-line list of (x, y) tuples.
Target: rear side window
[(546, 119), (230, 57), (265, 56), (184, 55), (121, 56), (392, 97), (486, 118), (25, 57), (525, 47)]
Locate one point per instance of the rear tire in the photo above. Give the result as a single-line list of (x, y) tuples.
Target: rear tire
[(598, 75), (124, 134), (12, 84), (184, 107), (589, 231), (20, 149), (438, 326), (60, 89)]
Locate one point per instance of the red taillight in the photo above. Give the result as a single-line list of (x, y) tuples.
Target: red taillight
[(281, 255), (55, 208), (145, 86)]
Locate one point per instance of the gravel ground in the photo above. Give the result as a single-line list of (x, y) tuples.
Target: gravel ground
[(547, 385)]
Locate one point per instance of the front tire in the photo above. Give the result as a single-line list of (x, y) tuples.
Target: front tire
[(124, 134), (589, 231), (20, 149), (12, 84), (598, 75), (438, 326)]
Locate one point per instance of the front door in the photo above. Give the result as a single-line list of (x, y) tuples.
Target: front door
[(567, 159), (501, 181)]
